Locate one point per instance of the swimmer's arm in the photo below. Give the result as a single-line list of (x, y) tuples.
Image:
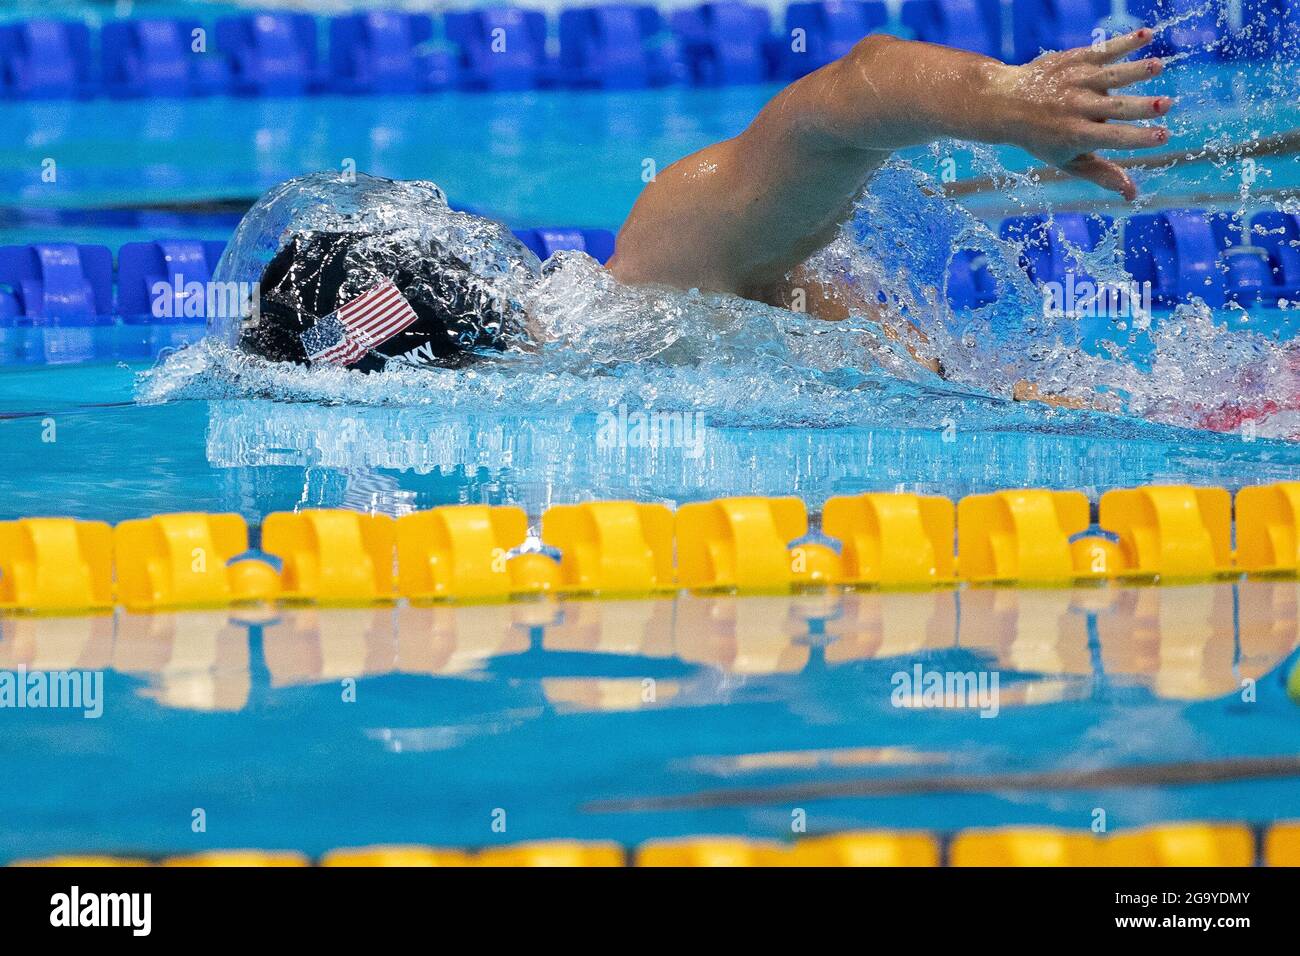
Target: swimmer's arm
[(889, 93), (737, 216)]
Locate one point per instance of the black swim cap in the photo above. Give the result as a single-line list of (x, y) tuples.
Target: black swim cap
[(361, 300)]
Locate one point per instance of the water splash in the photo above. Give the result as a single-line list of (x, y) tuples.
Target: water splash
[(597, 344), (415, 212)]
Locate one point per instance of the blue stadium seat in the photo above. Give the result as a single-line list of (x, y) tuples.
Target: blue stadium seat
[(1244, 267), (819, 33), (1247, 278), (1226, 230), (1268, 28), (597, 243), (143, 266), (725, 43), (966, 24), (10, 308), (612, 47), (970, 282), (1177, 251), (270, 54), (1278, 234), (1046, 243), (441, 70), (42, 59), (1197, 34), (157, 58), (500, 48), (1041, 25), (377, 52), (56, 281)]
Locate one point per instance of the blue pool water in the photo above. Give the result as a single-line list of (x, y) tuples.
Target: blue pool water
[(539, 709), (578, 720)]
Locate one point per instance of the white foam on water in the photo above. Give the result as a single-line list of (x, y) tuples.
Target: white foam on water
[(596, 344)]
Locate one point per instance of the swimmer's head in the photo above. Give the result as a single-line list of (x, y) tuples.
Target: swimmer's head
[(365, 300)]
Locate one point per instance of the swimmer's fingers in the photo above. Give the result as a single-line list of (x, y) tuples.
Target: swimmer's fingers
[(1104, 173), (1098, 107), (1121, 136), (1115, 48), (1119, 75)]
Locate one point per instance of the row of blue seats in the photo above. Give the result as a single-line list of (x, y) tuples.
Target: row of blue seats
[(67, 283), (1182, 253), (613, 46)]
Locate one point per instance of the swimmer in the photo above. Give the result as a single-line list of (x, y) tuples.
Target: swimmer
[(744, 215)]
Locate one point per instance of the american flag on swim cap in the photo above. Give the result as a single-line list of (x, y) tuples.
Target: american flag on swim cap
[(361, 324)]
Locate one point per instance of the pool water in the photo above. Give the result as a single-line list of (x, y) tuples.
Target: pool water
[(521, 156), (111, 458), (628, 720), (537, 158), (542, 709)]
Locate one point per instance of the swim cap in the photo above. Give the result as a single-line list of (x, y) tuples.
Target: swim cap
[(362, 300)]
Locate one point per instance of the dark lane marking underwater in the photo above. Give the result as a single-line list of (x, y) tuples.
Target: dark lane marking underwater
[(6, 416), (1140, 775)]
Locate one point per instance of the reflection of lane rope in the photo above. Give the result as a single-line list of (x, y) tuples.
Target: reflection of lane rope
[(1141, 775)]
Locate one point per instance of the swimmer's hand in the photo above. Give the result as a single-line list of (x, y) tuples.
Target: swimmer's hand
[(1059, 108), (740, 215)]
